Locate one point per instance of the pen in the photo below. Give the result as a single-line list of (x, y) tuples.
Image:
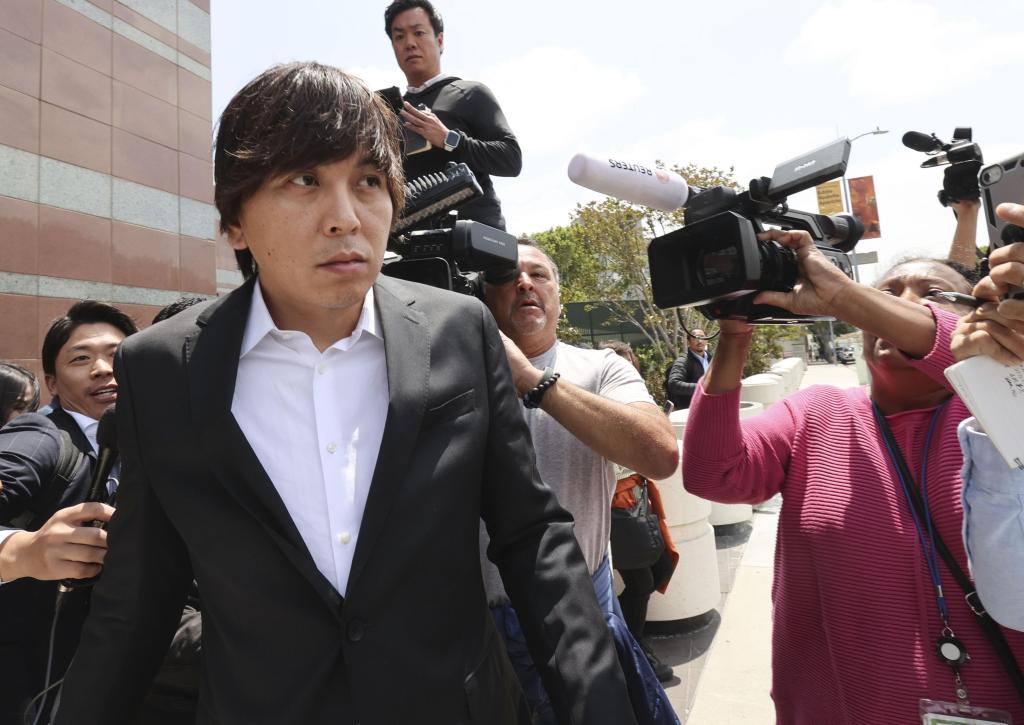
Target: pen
[(958, 298)]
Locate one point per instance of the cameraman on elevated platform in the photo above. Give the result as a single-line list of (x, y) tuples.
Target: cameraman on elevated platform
[(460, 119)]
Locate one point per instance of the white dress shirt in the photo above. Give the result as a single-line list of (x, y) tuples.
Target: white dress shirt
[(426, 85), (315, 421)]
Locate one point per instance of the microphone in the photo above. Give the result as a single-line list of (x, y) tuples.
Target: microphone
[(657, 188), (924, 142), (106, 440)]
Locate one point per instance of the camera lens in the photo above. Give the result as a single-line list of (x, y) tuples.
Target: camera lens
[(718, 266), (991, 175)]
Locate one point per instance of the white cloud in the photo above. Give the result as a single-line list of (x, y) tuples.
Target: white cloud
[(377, 78), (554, 96), (898, 52)]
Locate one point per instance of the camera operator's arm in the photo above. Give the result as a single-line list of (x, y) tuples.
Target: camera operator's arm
[(824, 290), (63, 548), (964, 248), (724, 460), (637, 436)]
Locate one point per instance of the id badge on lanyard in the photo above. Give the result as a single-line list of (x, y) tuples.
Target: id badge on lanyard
[(934, 712)]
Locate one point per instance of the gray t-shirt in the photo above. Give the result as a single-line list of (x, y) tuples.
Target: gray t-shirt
[(582, 480)]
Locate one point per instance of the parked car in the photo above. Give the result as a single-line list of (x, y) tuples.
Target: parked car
[(845, 355)]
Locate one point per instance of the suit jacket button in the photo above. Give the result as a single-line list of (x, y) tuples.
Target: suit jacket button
[(356, 630)]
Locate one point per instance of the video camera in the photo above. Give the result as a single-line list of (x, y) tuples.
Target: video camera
[(717, 263), (450, 253), (960, 180)]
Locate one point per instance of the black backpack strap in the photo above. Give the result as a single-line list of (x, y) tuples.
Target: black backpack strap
[(42, 505)]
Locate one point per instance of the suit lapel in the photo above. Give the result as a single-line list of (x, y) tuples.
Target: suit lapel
[(407, 351), (212, 354), (63, 420)]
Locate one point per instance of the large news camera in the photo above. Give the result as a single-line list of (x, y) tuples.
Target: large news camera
[(717, 263), (960, 180), (430, 245)]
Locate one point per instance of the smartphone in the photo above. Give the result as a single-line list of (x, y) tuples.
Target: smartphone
[(1003, 182), (413, 143)]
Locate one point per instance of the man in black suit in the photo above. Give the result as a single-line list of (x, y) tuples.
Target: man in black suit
[(317, 449), (681, 381), (42, 498)]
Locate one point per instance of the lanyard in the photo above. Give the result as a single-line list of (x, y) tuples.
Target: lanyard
[(950, 649), (927, 544)]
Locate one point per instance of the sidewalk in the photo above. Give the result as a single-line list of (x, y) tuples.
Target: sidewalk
[(723, 672)]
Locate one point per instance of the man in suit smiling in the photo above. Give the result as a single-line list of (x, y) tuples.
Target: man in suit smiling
[(317, 449)]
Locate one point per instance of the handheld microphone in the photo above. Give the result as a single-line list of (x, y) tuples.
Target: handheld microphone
[(657, 188), (106, 440), (924, 142)]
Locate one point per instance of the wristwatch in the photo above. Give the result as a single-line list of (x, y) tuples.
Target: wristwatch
[(451, 140)]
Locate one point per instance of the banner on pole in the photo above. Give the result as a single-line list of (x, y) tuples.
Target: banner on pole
[(864, 205), (830, 198)]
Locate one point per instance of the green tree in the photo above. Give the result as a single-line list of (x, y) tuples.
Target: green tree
[(602, 260)]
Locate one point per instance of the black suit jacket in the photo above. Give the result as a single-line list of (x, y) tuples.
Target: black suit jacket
[(413, 641), (681, 381), (29, 450)]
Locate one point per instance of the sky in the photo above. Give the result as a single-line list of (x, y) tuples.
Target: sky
[(743, 84)]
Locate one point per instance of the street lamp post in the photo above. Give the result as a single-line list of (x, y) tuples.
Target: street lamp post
[(877, 131), (846, 187)]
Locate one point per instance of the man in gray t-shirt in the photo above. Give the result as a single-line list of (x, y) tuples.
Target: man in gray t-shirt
[(587, 410)]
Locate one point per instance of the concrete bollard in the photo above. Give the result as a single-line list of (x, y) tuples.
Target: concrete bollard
[(764, 388), (792, 371), (695, 588)]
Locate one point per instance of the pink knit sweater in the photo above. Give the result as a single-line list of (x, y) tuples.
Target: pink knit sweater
[(854, 612)]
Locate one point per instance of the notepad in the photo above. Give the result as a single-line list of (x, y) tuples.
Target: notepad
[(994, 392)]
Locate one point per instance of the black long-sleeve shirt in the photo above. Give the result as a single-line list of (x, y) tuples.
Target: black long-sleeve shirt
[(488, 145)]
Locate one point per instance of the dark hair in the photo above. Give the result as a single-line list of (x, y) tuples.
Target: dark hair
[(86, 312), (398, 7), (970, 274), (294, 116), (179, 305), (13, 381)]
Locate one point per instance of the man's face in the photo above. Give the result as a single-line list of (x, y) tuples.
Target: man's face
[(697, 344), (529, 305), (417, 48), (318, 237), (84, 377)]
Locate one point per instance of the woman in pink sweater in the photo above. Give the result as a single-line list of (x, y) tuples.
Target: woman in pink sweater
[(855, 612)]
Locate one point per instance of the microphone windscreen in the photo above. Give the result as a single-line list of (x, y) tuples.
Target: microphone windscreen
[(920, 141), (657, 188), (106, 431)]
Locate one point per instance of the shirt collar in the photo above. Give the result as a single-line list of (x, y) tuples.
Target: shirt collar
[(88, 426), (260, 324), (428, 84)]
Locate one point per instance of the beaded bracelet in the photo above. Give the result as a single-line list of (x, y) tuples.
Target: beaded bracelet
[(531, 398)]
